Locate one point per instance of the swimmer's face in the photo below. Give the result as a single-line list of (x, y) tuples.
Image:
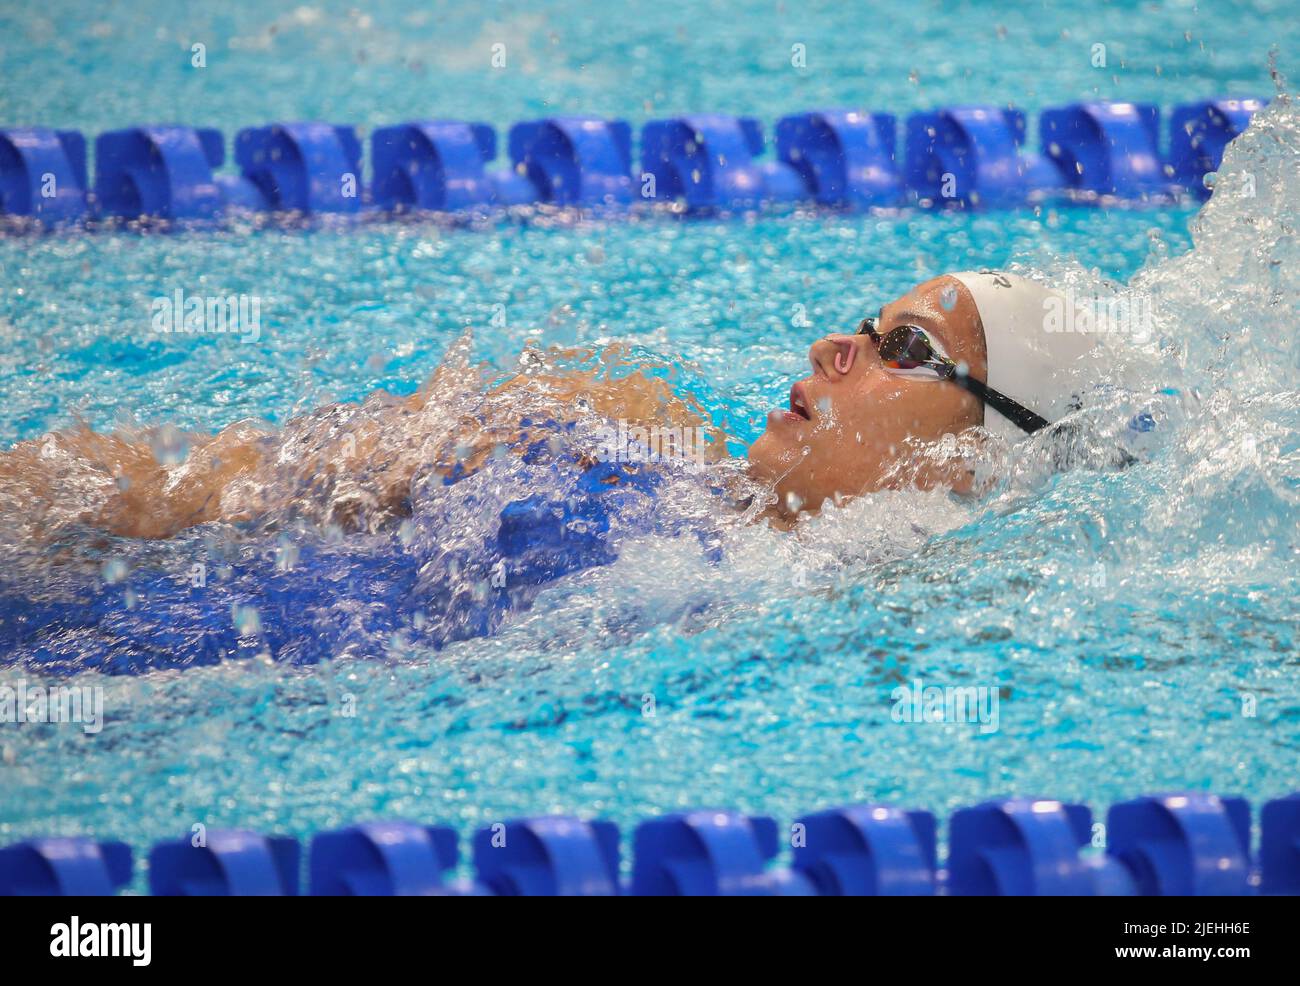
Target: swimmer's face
[(849, 421)]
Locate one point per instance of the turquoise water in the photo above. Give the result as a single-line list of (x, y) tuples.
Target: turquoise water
[(1127, 619), (99, 66)]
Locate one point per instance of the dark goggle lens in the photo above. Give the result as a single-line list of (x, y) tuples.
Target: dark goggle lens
[(906, 347)]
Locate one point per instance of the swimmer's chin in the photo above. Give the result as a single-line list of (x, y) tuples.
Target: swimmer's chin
[(794, 496), (769, 461)]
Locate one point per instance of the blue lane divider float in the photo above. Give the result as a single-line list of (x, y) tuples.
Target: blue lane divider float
[(440, 166), (1028, 847), (966, 156), (575, 161), (164, 172), (302, 167), (707, 161), (74, 867), (1183, 844), (43, 174), (385, 859), (1169, 845), (226, 863), (845, 158), (1198, 134), (711, 854), (1279, 846), (1106, 148), (867, 851), (552, 856), (972, 155)]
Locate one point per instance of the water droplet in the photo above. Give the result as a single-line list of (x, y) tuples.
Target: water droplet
[(246, 620), (113, 571), (286, 554), (948, 298), (170, 446), (793, 501)]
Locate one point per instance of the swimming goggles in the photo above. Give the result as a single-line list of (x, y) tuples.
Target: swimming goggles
[(907, 347)]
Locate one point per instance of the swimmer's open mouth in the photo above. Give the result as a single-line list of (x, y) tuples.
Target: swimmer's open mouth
[(799, 402)]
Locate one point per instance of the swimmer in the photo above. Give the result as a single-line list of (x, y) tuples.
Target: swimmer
[(956, 353)]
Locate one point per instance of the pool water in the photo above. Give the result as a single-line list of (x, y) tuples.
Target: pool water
[(1139, 626)]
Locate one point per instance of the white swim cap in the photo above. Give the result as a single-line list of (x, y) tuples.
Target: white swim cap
[(1033, 358)]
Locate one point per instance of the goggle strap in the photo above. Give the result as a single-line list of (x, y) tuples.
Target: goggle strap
[(1019, 415)]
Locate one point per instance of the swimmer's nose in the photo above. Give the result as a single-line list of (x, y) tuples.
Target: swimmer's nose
[(833, 357)]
